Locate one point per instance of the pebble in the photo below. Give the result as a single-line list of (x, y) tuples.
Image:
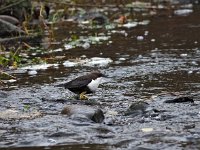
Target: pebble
[(32, 72), (183, 55), (140, 38)]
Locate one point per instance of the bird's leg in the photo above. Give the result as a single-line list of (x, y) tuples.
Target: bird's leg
[(82, 96)]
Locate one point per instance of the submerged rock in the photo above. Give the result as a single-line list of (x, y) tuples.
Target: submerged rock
[(83, 113), (180, 100), (137, 108)]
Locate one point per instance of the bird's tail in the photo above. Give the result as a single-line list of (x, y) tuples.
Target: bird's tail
[(60, 85)]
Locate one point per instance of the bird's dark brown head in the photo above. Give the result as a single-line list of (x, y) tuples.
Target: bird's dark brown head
[(98, 74)]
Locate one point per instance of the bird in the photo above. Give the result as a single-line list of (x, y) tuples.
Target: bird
[(85, 84)]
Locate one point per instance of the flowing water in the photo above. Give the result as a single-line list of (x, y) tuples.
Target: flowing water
[(157, 60)]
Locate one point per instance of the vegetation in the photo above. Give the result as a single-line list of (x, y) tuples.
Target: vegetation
[(33, 36)]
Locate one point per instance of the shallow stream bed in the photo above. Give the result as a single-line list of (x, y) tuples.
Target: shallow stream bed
[(151, 63)]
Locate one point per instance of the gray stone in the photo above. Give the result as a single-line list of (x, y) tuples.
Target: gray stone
[(180, 100), (137, 108), (83, 112)]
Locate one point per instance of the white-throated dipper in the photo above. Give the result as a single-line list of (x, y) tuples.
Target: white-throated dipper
[(85, 84)]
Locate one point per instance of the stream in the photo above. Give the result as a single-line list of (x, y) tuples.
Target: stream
[(152, 59)]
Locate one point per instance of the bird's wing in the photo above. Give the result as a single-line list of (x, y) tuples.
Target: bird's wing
[(78, 82)]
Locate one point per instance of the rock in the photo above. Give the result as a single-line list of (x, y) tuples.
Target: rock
[(180, 100), (83, 112), (8, 28), (137, 108), (97, 18), (189, 126)]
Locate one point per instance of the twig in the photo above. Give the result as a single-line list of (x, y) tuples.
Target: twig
[(27, 45), (16, 51)]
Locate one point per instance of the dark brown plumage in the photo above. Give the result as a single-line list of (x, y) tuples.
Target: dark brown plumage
[(86, 83)]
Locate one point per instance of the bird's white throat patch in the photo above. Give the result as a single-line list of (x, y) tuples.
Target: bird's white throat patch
[(93, 85)]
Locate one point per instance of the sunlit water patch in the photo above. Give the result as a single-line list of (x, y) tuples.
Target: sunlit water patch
[(183, 12), (95, 61)]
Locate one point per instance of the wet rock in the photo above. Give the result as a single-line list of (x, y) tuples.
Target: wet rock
[(99, 19), (189, 126), (180, 100), (83, 113), (137, 108), (96, 18)]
